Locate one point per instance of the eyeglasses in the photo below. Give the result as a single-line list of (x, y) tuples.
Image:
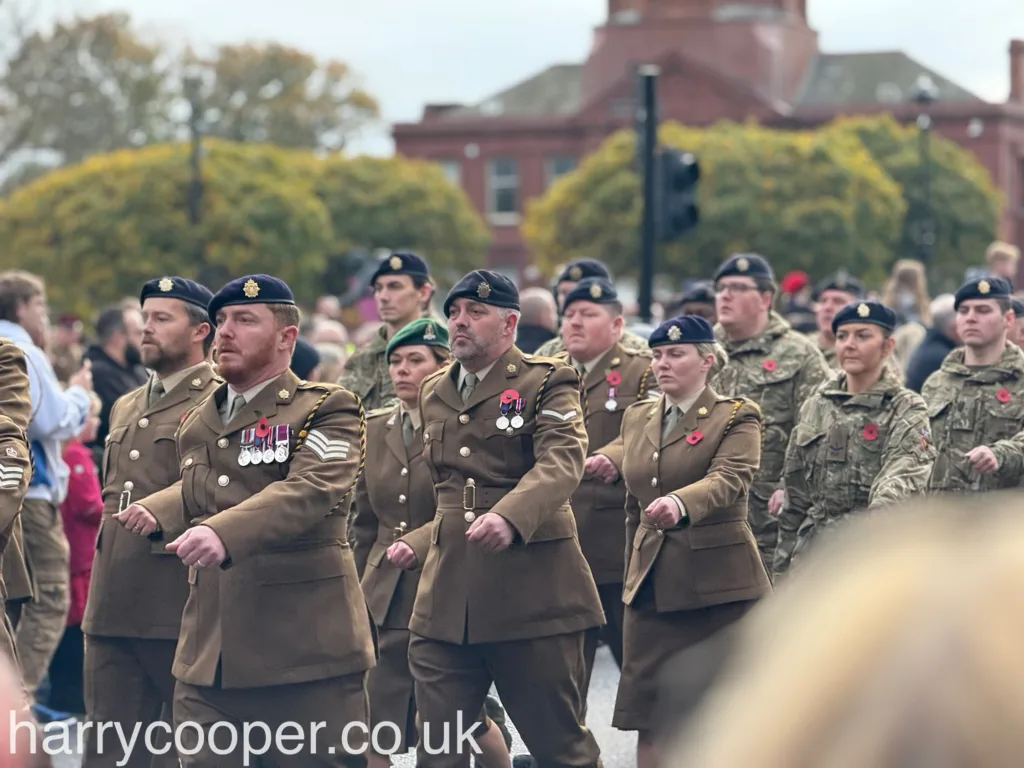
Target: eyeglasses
[(735, 288)]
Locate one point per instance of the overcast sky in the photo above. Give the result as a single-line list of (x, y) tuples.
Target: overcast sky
[(409, 52)]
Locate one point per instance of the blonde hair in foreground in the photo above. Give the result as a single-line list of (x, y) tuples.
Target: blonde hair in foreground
[(900, 645)]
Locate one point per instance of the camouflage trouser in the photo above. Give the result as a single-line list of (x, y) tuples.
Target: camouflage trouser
[(41, 624), (766, 530)]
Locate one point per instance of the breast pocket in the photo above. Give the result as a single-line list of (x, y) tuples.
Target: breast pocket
[(1003, 420), (806, 456), (508, 455), (433, 434), (112, 454), (195, 473)]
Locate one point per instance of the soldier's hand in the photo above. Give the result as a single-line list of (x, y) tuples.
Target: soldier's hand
[(602, 468), (83, 377), (492, 532), (983, 460), (776, 501), (200, 547), (664, 512), (401, 556), (137, 519)]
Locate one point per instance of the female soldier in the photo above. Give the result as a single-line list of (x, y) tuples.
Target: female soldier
[(395, 496), (861, 441), (692, 565)]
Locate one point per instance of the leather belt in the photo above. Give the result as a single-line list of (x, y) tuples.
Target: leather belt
[(472, 497)]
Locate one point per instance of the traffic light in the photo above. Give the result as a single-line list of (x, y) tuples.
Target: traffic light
[(678, 175)]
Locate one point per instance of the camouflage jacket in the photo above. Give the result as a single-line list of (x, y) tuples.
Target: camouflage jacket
[(969, 407), (635, 345), (778, 370), (366, 374), (852, 452), (829, 354)]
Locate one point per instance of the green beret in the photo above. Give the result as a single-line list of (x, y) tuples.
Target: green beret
[(423, 332)]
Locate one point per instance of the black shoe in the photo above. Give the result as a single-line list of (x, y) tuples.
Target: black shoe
[(496, 713), (523, 761)]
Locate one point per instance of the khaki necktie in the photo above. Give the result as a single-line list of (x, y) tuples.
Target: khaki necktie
[(156, 391), (236, 405), (468, 386), (671, 420), (408, 431)]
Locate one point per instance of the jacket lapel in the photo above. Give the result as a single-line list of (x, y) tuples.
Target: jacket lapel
[(655, 418), (183, 391), (446, 389), (393, 438), (692, 418), (500, 378), (599, 373), (264, 405)]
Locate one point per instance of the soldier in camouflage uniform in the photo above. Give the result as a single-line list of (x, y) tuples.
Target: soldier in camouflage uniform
[(769, 363), (402, 289), (831, 295), (976, 399), (862, 441), (567, 281)]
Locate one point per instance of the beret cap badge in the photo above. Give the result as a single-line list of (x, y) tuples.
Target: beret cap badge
[(742, 264), (863, 310), (575, 273), (166, 285), (395, 263), (428, 333), (984, 287), (595, 291), (251, 289), (483, 290), (674, 333)]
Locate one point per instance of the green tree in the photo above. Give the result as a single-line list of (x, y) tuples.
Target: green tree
[(812, 201), (965, 202)]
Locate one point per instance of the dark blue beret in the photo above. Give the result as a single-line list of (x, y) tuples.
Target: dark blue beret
[(584, 268), (401, 263), (871, 312), (1018, 308), (304, 359), (702, 293), (486, 287), (598, 290), (686, 329), (178, 288), (745, 265), (251, 289), (840, 281), (988, 287)]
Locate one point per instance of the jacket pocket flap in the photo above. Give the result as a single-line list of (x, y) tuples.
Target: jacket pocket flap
[(165, 431), (198, 456), (116, 434), (301, 565), (937, 407), (717, 535), (805, 437), (561, 526)]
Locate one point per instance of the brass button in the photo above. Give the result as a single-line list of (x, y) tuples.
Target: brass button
[(655, 456), (188, 462), (223, 481), (654, 482), (401, 498), (464, 418), (143, 422), (464, 451), (129, 485), (661, 532), (426, 435), (222, 443), (469, 517), (133, 455), (405, 471)]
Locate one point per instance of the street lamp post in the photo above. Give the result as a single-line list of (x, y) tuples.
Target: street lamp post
[(924, 94), (195, 192)]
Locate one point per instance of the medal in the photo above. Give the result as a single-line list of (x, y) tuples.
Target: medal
[(508, 397), (614, 378), (502, 423), (257, 452), (263, 442), (245, 452), (517, 420), (282, 440)]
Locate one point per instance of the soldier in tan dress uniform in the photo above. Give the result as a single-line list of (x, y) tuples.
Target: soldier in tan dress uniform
[(613, 379), (692, 563), (275, 628), (506, 595), (831, 295), (395, 496), (138, 588)]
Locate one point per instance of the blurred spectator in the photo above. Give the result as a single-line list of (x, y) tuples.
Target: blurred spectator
[(699, 300), (332, 361), (329, 307), (1017, 332), (795, 302), (116, 363), (81, 511), (539, 321), (939, 341), (329, 332), (366, 333), (305, 361), (906, 293), (66, 347), (1002, 259)]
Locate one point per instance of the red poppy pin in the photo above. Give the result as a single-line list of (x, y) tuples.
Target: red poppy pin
[(870, 432), (770, 365), (262, 427), (509, 396), (1003, 396), (695, 438), (614, 379)]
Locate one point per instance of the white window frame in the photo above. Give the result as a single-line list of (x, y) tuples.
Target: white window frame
[(503, 218), (448, 165)]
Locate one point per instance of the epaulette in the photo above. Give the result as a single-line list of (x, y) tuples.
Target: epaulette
[(535, 360), (435, 375), (323, 386), (379, 412)]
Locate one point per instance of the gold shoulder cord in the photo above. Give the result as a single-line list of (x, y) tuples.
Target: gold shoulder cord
[(642, 393), (304, 433), (732, 416), (540, 392)]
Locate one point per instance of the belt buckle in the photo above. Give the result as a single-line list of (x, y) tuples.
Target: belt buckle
[(125, 502), (468, 505), (398, 532)]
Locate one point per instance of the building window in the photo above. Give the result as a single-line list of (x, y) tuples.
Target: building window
[(503, 187), (453, 170), (559, 166)]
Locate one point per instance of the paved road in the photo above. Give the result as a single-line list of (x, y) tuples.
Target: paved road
[(617, 748)]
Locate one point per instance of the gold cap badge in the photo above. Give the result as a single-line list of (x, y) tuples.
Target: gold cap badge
[(984, 287), (283, 394), (742, 264), (511, 367), (863, 310), (166, 284), (428, 333), (197, 382), (251, 289), (395, 263), (674, 333), (575, 273), (702, 411), (483, 290), (595, 291)]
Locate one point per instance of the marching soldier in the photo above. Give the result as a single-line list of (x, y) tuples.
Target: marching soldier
[(275, 628), (976, 399), (613, 379), (861, 443), (395, 496), (138, 589), (700, 301), (566, 283), (402, 289), (505, 595), (831, 295), (774, 366)]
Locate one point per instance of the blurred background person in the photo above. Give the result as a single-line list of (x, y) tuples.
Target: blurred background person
[(305, 361), (831, 295), (794, 302), (906, 292), (539, 320), (325, 331), (938, 342), (698, 300), (66, 347), (332, 361), (1002, 260), (1016, 335)]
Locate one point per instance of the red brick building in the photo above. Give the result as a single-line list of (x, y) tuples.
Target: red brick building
[(719, 60)]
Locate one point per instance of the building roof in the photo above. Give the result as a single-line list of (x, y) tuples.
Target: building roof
[(553, 92), (886, 77)]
